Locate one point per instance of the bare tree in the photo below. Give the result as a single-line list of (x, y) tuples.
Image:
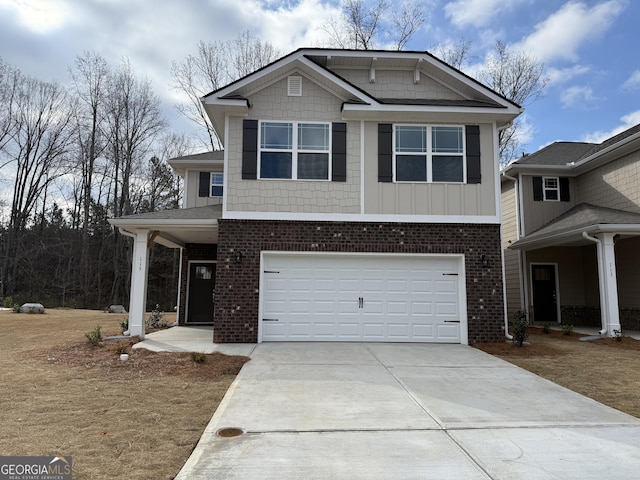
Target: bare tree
[(9, 81), (405, 23), (214, 65), (520, 78), (39, 151), (456, 54)]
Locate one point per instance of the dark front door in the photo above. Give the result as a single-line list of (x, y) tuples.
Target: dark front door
[(202, 277), (543, 282)]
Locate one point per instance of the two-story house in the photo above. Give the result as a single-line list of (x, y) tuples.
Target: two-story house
[(357, 199), (571, 219)]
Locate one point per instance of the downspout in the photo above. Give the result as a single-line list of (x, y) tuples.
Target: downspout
[(124, 232), (504, 280), (603, 295)]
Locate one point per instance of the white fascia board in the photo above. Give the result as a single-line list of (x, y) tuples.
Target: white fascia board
[(566, 170), (347, 217)]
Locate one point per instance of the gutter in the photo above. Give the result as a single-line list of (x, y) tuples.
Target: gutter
[(504, 280), (603, 308)]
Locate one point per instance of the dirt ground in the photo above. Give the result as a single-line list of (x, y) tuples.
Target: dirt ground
[(606, 370), (138, 419)]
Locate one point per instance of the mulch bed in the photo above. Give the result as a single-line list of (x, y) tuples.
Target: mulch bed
[(142, 362)]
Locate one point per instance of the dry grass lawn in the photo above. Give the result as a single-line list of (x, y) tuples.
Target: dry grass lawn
[(606, 370), (138, 419)]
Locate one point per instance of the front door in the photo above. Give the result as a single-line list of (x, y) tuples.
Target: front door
[(202, 277), (543, 282)]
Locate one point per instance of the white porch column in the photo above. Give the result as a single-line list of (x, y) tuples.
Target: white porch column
[(610, 284), (139, 270)]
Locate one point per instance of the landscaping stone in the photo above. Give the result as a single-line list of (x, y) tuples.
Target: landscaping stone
[(32, 308), (116, 309)]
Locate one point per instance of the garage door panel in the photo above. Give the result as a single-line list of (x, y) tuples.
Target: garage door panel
[(361, 298)]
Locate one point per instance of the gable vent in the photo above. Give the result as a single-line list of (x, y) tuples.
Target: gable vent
[(295, 86)]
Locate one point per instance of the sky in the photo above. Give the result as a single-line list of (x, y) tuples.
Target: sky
[(589, 47)]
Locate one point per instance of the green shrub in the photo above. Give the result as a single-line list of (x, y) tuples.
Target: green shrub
[(520, 324), (94, 336), (546, 328), (16, 308), (120, 349), (124, 325), (8, 302), (198, 357), (567, 329), (156, 320)]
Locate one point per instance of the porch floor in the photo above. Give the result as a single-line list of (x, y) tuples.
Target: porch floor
[(191, 339)]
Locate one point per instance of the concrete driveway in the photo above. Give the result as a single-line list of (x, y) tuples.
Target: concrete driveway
[(403, 411)]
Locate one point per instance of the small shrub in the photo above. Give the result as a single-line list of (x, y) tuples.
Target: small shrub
[(567, 329), (94, 336), (120, 349), (8, 302), (618, 335), (156, 320), (546, 328), (124, 325), (198, 357), (16, 308), (520, 324)]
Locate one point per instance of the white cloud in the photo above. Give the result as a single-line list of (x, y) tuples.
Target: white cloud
[(563, 75), (476, 12), (628, 121), (633, 82), (39, 16), (576, 95), (561, 35)]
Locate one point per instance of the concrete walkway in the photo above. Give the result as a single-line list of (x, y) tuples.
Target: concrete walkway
[(407, 411)]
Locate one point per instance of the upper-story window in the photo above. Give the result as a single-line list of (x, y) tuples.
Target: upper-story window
[(294, 150), (211, 184), (429, 153), (551, 189), (217, 182)]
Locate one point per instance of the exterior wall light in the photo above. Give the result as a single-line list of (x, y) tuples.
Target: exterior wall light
[(484, 260), (239, 255)]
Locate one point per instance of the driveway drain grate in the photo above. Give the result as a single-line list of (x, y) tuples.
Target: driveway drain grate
[(229, 432)]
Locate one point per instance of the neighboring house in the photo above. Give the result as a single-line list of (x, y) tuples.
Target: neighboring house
[(571, 220), (360, 202)]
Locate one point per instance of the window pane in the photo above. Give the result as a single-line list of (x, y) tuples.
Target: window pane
[(216, 191), (275, 165), (551, 194), (447, 168), (551, 183), (313, 136), (217, 179), (313, 166), (446, 139), (276, 135), (411, 139), (411, 168)]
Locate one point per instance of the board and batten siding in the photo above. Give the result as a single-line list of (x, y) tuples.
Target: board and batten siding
[(430, 198), (539, 213), (191, 197), (511, 257)]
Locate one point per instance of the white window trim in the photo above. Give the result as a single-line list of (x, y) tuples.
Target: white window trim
[(294, 151), (212, 184), (545, 189), (429, 154)]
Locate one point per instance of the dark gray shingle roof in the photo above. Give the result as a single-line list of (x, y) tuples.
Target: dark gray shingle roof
[(557, 153), (210, 212)]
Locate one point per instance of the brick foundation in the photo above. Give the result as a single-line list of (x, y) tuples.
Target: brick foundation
[(237, 284)]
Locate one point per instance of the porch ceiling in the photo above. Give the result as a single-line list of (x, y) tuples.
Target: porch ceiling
[(567, 229), (175, 228)]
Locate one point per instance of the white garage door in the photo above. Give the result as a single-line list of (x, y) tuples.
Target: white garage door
[(388, 298)]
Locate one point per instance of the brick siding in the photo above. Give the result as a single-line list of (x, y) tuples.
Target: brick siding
[(237, 284), (192, 252)]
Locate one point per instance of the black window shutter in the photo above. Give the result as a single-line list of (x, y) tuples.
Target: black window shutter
[(249, 149), (472, 134), (204, 184), (339, 152), (538, 196), (385, 152), (564, 190)]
